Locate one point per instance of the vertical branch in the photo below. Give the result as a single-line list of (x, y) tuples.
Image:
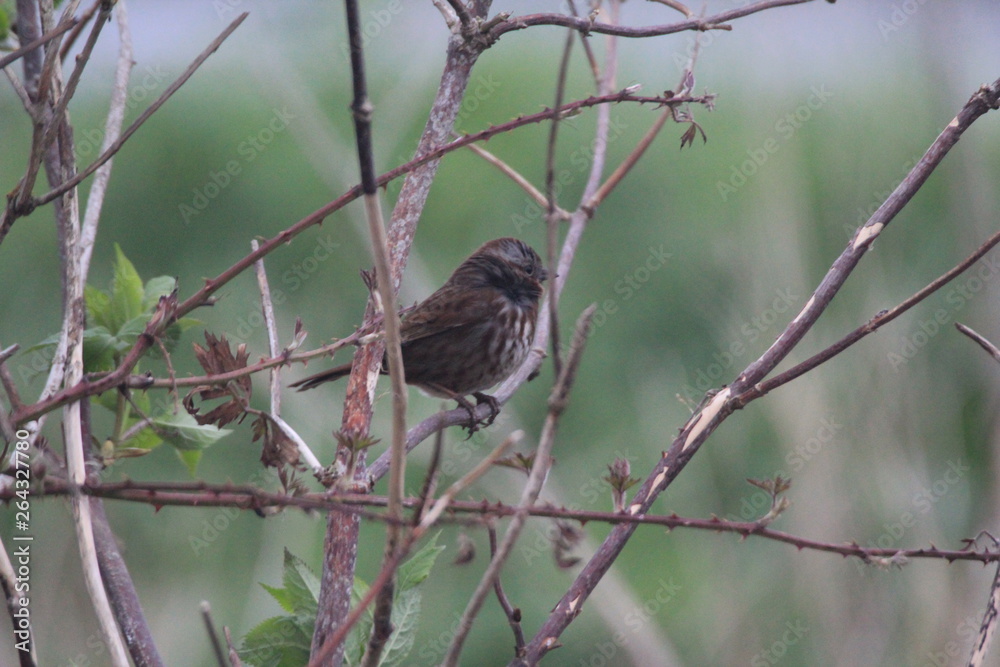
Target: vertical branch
[(362, 110), (112, 130), (340, 544), (60, 166), (552, 217)]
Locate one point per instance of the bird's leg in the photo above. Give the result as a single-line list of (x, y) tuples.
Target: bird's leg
[(473, 424), (492, 402)]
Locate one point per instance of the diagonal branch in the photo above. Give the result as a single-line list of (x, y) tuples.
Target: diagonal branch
[(718, 406)]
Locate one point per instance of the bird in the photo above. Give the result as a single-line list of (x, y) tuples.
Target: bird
[(473, 332)]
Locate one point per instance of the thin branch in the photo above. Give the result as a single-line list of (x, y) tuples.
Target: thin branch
[(81, 23), (875, 323), (121, 590), (144, 116), (202, 494), (213, 637), (468, 479), (988, 625), (673, 4), (516, 176), (392, 561), (362, 110), (586, 26), (552, 218), (112, 130), (512, 613), (34, 44), (536, 479), (462, 14), (981, 340), (48, 116)]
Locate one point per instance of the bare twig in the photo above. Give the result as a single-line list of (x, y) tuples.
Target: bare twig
[(673, 4), (512, 613), (267, 307), (112, 130), (988, 625), (34, 44), (875, 323), (981, 340), (552, 217), (516, 176), (144, 116), (206, 616), (121, 590), (469, 478), (586, 26)]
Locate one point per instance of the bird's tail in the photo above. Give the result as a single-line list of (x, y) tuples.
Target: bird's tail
[(313, 381)]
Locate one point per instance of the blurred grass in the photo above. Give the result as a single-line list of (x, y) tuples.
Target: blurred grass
[(862, 437)]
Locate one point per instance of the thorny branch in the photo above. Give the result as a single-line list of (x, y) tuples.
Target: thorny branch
[(202, 494)]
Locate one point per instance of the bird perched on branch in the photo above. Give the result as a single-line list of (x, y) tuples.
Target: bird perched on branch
[(472, 333)]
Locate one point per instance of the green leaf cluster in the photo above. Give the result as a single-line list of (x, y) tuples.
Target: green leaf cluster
[(284, 641), (118, 316)]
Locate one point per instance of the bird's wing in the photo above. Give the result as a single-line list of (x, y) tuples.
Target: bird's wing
[(445, 310)]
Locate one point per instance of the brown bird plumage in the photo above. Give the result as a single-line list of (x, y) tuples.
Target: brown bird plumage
[(473, 332)]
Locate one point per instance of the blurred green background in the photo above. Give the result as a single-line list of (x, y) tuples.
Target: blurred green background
[(890, 444)]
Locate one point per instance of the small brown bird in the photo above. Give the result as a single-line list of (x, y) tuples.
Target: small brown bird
[(473, 332)]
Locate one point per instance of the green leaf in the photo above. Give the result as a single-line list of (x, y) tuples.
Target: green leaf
[(99, 350), (405, 614), (301, 585), (4, 24), (126, 292), (418, 567), (282, 595), (155, 288), (147, 439), (276, 642), (190, 459), (184, 433), (98, 306)]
